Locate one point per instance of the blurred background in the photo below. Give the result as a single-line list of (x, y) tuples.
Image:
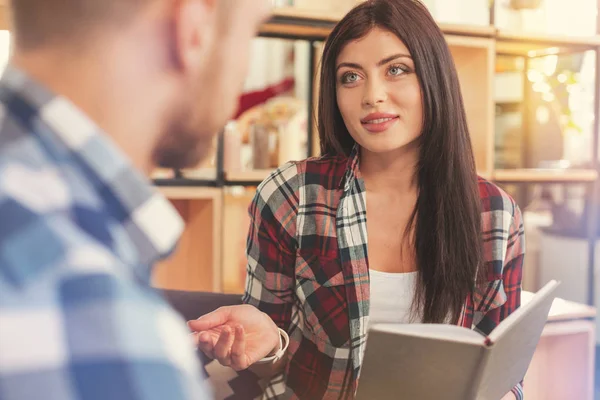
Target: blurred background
[(529, 75)]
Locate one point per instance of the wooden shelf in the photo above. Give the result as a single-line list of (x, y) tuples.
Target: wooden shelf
[(298, 13), (162, 173), (284, 30), (484, 175), (300, 23), (545, 175), (199, 174), (533, 45), (499, 175), (190, 193), (257, 175), (468, 30)]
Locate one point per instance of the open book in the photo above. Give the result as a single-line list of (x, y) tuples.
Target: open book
[(436, 361)]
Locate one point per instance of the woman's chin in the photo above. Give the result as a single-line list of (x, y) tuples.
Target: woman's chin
[(381, 147)]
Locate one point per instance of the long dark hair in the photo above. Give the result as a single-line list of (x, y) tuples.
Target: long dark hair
[(447, 216)]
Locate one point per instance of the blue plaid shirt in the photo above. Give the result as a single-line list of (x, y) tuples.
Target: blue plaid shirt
[(80, 229)]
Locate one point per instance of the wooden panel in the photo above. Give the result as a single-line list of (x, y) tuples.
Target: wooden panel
[(319, 23), (255, 175), (4, 16), (544, 175), (235, 230), (537, 45), (190, 193), (474, 59), (455, 41), (217, 243), (195, 265), (305, 13), (206, 173), (162, 173), (467, 30), (297, 31)]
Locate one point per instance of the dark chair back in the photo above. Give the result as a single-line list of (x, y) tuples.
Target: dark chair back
[(227, 384), (192, 305)]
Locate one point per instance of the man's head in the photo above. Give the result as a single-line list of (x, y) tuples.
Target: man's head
[(192, 53)]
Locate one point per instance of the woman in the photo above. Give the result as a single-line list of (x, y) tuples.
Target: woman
[(392, 224)]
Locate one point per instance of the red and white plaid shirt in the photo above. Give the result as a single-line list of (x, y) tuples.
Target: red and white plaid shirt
[(308, 270)]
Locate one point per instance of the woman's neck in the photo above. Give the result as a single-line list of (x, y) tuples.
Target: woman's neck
[(393, 172)]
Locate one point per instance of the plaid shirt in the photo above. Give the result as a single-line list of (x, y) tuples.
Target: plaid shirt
[(80, 230), (308, 270)]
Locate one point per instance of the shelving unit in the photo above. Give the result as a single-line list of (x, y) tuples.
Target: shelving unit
[(246, 178), (219, 260), (213, 202), (196, 263), (532, 45), (210, 255), (544, 176)]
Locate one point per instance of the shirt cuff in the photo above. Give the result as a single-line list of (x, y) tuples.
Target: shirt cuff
[(284, 342), (518, 392)]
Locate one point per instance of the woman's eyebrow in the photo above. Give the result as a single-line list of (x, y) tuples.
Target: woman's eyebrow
[(379, 64)]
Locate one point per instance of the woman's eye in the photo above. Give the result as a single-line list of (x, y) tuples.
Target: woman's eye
[(396, 70), (350, 77)]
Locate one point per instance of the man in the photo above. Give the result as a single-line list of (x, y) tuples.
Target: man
[(97, 94)]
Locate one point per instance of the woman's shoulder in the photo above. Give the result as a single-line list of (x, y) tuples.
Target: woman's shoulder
[(318, 173), (495, 200)]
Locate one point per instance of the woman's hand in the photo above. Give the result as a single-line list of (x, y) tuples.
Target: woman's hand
[(236, 336)]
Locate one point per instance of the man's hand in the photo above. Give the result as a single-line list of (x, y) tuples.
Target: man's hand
[(236, 336)]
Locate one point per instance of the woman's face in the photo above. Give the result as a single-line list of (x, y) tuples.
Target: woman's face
[(378, 92)]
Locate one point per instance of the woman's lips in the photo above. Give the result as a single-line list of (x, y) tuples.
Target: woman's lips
[(377, 123)]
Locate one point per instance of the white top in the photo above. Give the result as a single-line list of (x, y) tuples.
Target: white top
[(391, 297)]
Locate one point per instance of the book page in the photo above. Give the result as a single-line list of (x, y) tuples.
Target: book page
[(445, 332), (528, 307), (410, 366), (463, 364)]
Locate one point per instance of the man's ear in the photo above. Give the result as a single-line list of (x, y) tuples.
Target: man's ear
[(194, 30)]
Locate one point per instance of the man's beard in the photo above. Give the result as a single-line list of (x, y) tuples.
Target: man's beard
[(182, 147)]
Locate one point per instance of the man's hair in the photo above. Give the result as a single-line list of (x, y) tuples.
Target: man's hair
[(40, 23)]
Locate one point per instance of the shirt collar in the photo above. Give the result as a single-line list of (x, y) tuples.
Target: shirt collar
[(352, 168), (148, 217)]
